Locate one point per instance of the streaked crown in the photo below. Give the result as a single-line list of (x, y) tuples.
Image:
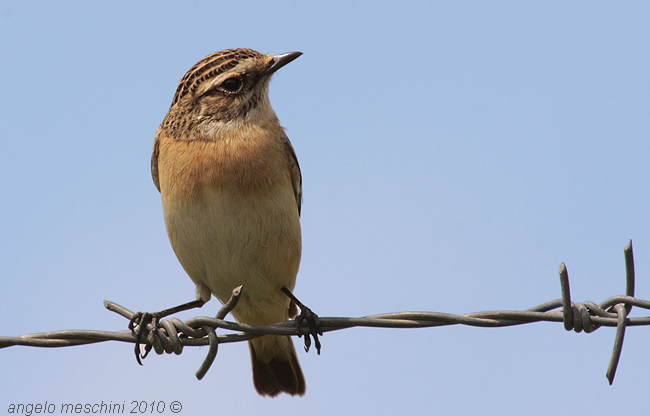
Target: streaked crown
[(214, 69)]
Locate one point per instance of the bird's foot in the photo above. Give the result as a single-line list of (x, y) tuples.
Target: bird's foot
[(138, 325), (140, 320), (313, 322), (314, 327)]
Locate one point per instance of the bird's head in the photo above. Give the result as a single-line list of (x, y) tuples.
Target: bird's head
[(224, 90)]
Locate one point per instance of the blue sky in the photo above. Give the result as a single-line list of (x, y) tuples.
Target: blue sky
[(453, 154)]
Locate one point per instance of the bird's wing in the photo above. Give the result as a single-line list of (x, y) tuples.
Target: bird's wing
[(296, 176), (154, 161)]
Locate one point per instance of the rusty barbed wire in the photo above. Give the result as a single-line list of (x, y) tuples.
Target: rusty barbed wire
[(171, 335)]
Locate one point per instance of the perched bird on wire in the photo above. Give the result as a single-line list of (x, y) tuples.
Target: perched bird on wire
[(231, 192)]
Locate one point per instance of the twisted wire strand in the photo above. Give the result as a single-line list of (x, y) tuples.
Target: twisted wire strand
[(171, 335)]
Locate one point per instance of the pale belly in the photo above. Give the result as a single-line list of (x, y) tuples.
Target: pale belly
[(224, 241)]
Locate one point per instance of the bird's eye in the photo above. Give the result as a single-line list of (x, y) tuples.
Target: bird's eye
[(232, 84)]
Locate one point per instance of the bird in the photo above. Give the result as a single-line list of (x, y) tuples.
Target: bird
[(231, 190)]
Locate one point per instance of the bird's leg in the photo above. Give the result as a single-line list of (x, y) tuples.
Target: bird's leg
[(312, 320), (139, 322)]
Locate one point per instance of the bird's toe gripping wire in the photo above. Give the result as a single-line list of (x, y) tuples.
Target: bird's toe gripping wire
[(137, 324), (313, 322), (146, 322)]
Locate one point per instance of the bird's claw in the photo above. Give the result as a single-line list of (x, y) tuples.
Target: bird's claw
[(314, 327), (138, 325), (139, 321)]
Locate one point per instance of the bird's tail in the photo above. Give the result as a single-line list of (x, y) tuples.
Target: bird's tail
[(275, 366)]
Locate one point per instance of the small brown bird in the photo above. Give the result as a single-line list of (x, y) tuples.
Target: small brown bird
[(231, 192)]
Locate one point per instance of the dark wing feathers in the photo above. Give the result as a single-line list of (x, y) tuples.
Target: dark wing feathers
[(296, 175), (154, 162)]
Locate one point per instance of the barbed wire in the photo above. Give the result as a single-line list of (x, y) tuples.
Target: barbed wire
[(170, 336)]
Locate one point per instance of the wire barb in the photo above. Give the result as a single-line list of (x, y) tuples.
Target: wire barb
[(212, 335), (170, 336)]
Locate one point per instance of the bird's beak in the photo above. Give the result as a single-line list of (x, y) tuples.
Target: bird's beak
[(279, 61)]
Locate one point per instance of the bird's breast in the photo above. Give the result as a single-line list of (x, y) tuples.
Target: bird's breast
[(244, 162), (231, 213)]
